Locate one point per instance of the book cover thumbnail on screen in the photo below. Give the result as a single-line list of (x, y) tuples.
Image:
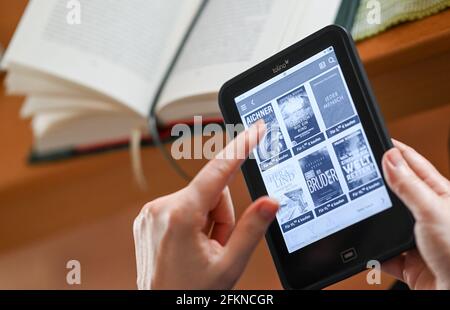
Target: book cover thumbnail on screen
[(321, 177), (298, 115)]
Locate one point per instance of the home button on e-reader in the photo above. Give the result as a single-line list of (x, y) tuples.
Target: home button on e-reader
[(348, 255)]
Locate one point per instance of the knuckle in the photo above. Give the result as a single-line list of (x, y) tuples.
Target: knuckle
[(180, 220), (402, 185), (154, 211), (174, 210), (427, 214), (176, 217), (152, 208)]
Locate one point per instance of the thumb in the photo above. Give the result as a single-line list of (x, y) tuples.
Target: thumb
[(248, 232), (413, 191)]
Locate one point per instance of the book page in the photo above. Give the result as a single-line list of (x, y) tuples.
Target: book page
[(120, 48), (35, 105), (230, 37), (317, 14), (56, 131), (227, 39), (24, 82)]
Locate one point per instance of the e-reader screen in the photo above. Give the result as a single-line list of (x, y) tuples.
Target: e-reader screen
[(315, 158)]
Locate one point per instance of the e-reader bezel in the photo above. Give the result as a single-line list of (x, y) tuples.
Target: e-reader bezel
[(378, 237)]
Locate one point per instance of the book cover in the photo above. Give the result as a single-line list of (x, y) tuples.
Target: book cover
[(298, 115), (332, 98), (284, 185), (355, 160), (321, 177), (273, 142), (292, 205)]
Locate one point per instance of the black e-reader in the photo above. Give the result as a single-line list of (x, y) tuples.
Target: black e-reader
[(320, 158)]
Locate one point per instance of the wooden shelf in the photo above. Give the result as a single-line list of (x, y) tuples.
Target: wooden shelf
[(406, 43), (409, 66)]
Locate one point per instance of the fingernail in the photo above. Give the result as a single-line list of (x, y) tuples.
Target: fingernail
[(268, 211), (395, 158)]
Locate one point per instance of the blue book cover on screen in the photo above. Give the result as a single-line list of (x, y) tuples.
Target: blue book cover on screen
[(332, 98), (321, 177), (355, 160), (273, 142), (298, 115)]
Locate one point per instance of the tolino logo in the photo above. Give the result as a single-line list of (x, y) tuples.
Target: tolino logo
[(73, 16), (281, 66)]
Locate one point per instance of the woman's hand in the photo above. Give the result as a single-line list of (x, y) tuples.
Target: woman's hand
[(427, 194), (189, 240)]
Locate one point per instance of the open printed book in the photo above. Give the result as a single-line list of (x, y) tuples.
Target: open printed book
[(95, 81)]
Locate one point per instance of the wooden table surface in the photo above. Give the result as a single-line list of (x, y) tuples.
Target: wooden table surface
[(83, 208)]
